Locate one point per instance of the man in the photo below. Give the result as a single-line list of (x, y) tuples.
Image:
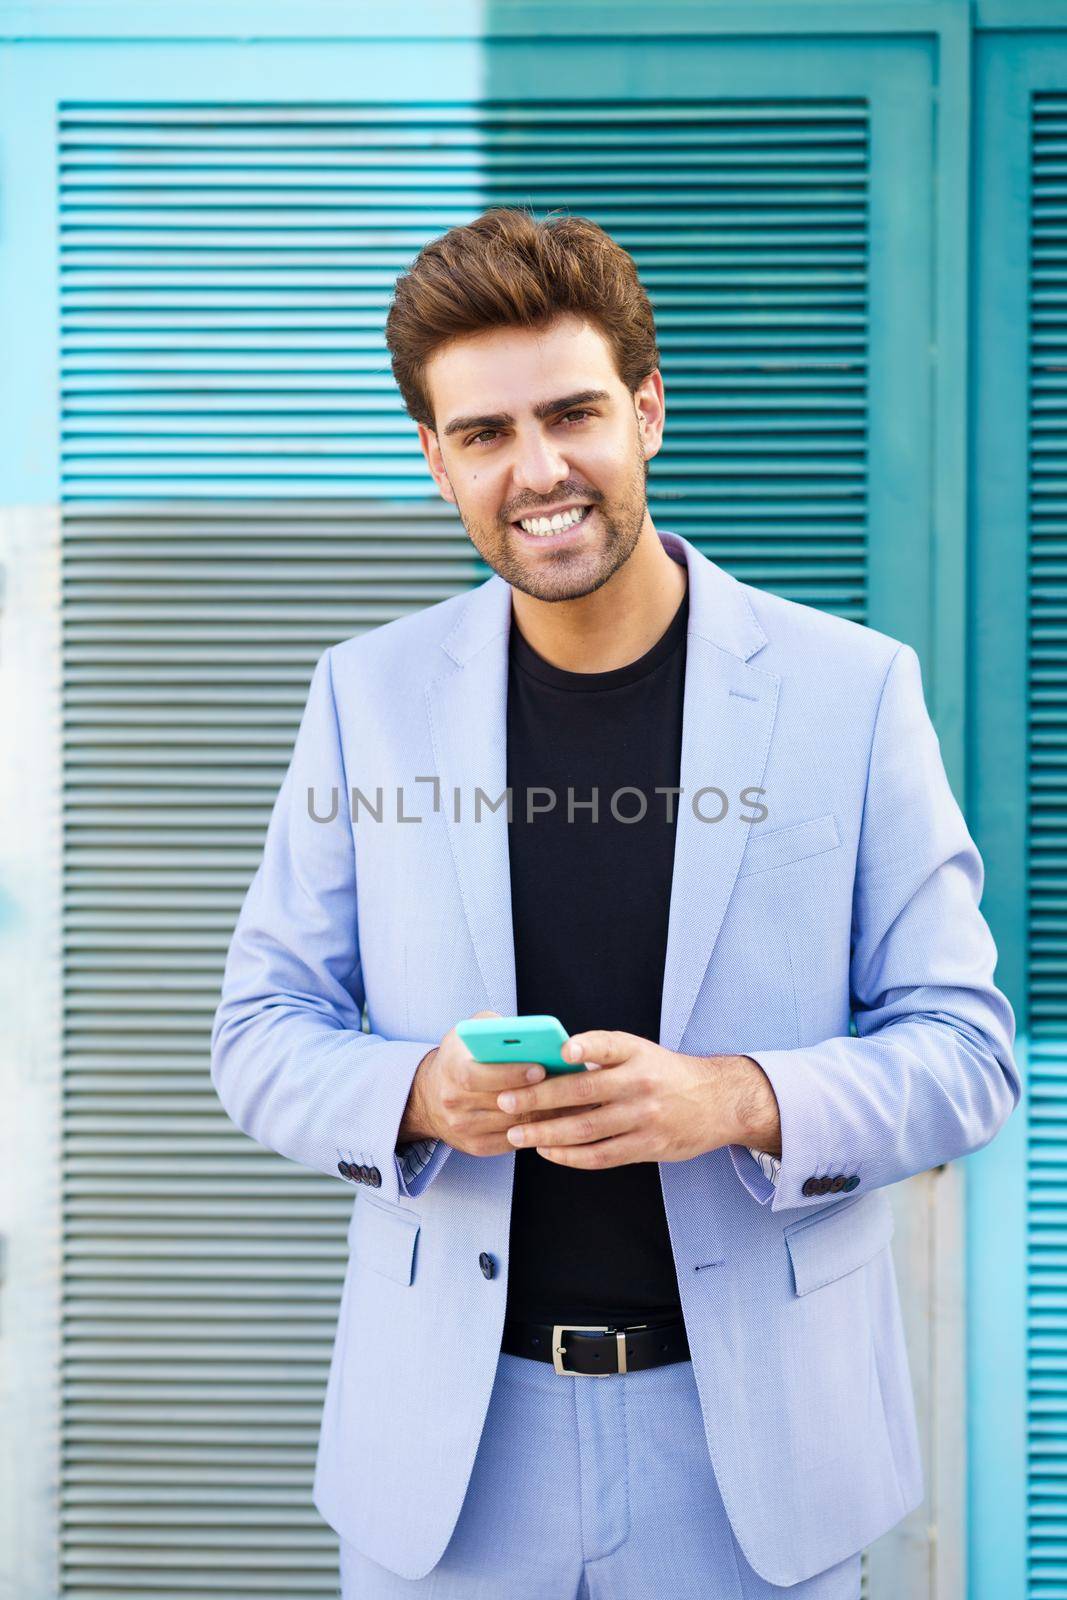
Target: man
[(762, 931)]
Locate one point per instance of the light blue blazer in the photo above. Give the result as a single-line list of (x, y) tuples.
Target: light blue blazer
[(858, 895)]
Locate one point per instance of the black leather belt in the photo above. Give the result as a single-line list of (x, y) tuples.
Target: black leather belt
[(597, 1351)]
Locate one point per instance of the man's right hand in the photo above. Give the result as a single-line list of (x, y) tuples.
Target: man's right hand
[(453, 1097)]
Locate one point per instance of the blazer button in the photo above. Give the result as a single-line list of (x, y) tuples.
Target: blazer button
[(824, 1185), (838, 1183), (809, 1186), (374, 1177), (359, 1173), (486, 1263), (851, 1183), (344, 1169)]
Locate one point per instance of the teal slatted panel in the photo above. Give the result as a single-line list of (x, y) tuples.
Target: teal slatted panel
[(748, 222), (226, 273), (240, 488), (1047, 1134)]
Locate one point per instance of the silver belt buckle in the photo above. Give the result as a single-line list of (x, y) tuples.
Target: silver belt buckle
[(559, 1348)]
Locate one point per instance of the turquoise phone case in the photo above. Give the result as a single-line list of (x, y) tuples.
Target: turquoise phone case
[(502, 1039)]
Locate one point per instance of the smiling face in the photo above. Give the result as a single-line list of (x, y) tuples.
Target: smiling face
[(534, 424)]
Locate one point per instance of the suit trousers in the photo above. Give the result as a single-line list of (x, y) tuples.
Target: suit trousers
[(591, 1488)]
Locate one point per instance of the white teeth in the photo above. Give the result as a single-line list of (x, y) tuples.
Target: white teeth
[(556, 524)]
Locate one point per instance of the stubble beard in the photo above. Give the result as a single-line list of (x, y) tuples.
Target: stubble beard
[(570, 573)]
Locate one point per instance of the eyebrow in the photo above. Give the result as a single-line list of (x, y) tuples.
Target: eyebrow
[(544, 408)]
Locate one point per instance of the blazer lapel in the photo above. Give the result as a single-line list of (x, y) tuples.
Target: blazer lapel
[(728, 717), (467, 708)]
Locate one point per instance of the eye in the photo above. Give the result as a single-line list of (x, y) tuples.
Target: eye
[(488, 432)]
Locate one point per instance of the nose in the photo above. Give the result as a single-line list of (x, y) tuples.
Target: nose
[(539, 466)]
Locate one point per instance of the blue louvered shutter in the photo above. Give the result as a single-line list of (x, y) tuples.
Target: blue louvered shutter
[(1046, 1211), (240, 488)]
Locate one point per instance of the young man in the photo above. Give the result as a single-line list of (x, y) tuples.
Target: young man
[(705, 827)]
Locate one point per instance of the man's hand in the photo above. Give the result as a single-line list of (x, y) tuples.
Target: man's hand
[(646, 1104), (454, 1098)]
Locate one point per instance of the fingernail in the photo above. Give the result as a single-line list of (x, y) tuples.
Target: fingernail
[(514, 1134), (506, 1102), (574, 1051), (534, 1074)]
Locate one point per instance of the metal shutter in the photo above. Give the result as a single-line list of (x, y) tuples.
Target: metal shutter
[(241, 488), (1046, 1234)]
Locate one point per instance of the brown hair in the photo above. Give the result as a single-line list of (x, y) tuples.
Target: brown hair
[(506, 269)]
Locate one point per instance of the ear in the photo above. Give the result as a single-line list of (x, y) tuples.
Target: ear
[(651, 412), (435, 461)]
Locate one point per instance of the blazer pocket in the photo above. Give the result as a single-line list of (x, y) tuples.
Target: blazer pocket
[(782, 845), (383, 1238), (842, 1237)]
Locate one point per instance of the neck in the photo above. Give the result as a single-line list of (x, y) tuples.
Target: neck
[(614, 625)]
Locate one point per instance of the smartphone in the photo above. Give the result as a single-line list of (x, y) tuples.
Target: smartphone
[(533, 1038)]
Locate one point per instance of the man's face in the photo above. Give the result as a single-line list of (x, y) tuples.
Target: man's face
[(537, 422)]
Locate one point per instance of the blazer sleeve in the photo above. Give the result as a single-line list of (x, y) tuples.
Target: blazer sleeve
[(930, 1074), (290, 1061)]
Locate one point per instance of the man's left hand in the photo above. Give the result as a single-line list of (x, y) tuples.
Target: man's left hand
[(640, 1102)]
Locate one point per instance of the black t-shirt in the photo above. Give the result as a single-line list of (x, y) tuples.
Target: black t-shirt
[(590, 904)]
